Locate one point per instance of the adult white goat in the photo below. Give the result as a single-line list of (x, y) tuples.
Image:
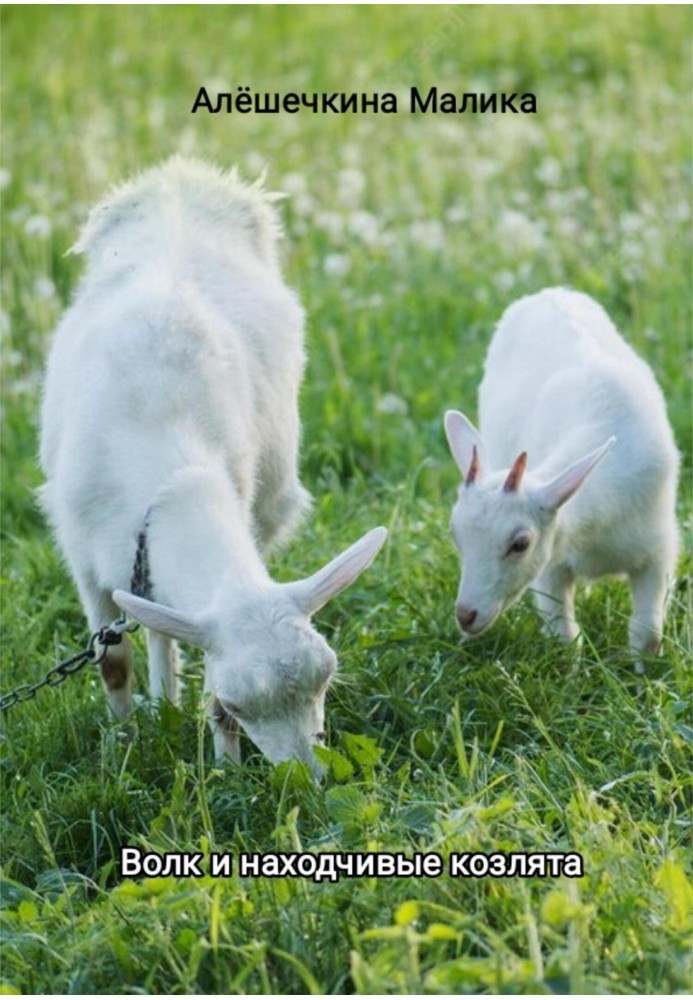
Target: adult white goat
[(561, 386), (170, 417)]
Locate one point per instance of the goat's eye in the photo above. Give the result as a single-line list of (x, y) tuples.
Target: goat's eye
[(521, 544)]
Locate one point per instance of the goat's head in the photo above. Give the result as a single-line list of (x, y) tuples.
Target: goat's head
[(503, 524), (267, 667)]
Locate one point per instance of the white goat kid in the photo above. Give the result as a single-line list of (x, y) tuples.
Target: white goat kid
[(170, 416), (562, 386)]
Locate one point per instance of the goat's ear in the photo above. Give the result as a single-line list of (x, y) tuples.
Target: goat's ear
[(162, 619), (555, 493), (466, 446), (315, 591)]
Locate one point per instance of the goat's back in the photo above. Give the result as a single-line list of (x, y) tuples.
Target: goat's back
[(183, 346), (559, 380)]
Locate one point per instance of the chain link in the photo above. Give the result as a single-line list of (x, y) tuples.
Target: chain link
[(109, 635)]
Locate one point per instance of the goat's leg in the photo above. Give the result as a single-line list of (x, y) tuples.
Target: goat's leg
[(280, 499), (648, 588), (117, 665), (164, 664), (554, 596), (278, 510)]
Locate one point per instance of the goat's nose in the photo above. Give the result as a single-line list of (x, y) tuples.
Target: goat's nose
[(465, 616)]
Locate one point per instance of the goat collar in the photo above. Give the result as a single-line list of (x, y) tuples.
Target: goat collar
[(141, 582)]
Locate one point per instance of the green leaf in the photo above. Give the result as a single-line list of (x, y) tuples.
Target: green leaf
[(558, 909), (406, 913), (28, 911), (363, 750), (678, 892), (339, 766), (424, 743), (441, 932), (12, 893), (346, 805)]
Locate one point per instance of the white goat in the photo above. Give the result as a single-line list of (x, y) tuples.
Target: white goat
[(561, 386), (170, 416)]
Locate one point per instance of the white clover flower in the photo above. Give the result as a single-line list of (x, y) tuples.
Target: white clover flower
[(387, 240), (257, 164), (156, 112), (331, 222), (505, 280), (294, 183), (375, 301), (568, 227), (38, 225), (351, 153), (364, 225), (632, 250), (392, 404), (429, 234), (631, 222), (679, 211), (25, 386), (350, 185), (302, 204), (218, 85), (13, 358), (558, 202), (457, 213), (336, 264), (187, 143), (549, 171), (520, 233), (485, 168), (44, 288)]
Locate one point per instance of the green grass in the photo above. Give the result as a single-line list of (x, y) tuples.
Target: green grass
[(407, 236)]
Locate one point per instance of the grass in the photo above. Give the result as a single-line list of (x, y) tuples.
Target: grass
[(406, 236)]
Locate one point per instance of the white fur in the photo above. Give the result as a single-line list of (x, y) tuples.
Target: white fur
[(599, 493), (171, 394)]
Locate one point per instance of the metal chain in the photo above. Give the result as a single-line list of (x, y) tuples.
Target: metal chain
[(109, 635)]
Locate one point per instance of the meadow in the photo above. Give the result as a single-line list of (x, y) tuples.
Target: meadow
[(406, 236)]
